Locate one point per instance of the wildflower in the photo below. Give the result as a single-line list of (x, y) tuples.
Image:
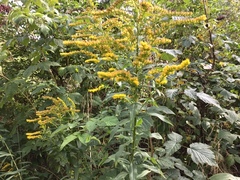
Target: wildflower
[(33, 135), (119, 96), (92, 61), (96, 89)]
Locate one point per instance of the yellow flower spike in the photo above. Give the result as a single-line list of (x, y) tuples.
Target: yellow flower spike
[(92, 61), (119, 96), (34, 137), (34, 133), (96, 89)]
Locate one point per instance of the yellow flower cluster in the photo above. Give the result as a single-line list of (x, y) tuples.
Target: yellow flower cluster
[(92, 61), (119, 75), (119, 96), (184, 21), (145, 52), (34, 135), (82, 43), (166, 71), (146, 6), (96, 89), (159, 41), (51, 114)]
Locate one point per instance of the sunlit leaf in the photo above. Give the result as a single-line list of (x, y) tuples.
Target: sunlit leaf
[(201, 154), (224, 176), (173, 145), (208, 99)]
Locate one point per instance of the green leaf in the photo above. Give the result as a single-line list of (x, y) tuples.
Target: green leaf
[(208, 99), (44, 29), (231, 116), (154, 169), (161, 117), (224, 134), (201, 153), (67, 140), (121, 175), (230, 161), (29, 71), (109, 121), (59, 129), (224, 176), (156, 136), (173, 145), (171, 93), (191, 93), (143, 174), (91, 125)]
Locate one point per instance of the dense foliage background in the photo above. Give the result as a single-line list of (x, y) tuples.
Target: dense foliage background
[(150, 116)]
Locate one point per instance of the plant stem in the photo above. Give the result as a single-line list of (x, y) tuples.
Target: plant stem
[(134, 138)]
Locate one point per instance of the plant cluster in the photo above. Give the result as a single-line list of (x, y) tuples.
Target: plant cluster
[(119, 90)]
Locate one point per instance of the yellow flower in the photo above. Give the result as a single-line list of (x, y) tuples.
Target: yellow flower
[(96, 89), (92, 61), (119, 96), (33, 135)]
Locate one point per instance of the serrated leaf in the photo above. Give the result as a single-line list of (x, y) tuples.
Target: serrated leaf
[(191, 93), (143, 174), (224, 134), (208, 99), (173, 145), (231, 116), (161, 117), (171, 93), (201, 153), (175, 137), (223, 176), (156, 136)]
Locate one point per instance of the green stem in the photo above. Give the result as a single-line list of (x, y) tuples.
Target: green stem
[(134, 139)]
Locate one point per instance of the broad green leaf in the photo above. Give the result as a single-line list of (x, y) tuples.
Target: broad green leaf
[(175, 137), (161, 117), (143, 174), (173, 145), (45, 65), (224, 176), (231, 116), (44, 29), (208, 99), (67, 140), (171, 93), (191, 93), (109, 121), (91, 125), (201, 153), (156, 136), (230, 161), (184, 169), (224, 134)]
